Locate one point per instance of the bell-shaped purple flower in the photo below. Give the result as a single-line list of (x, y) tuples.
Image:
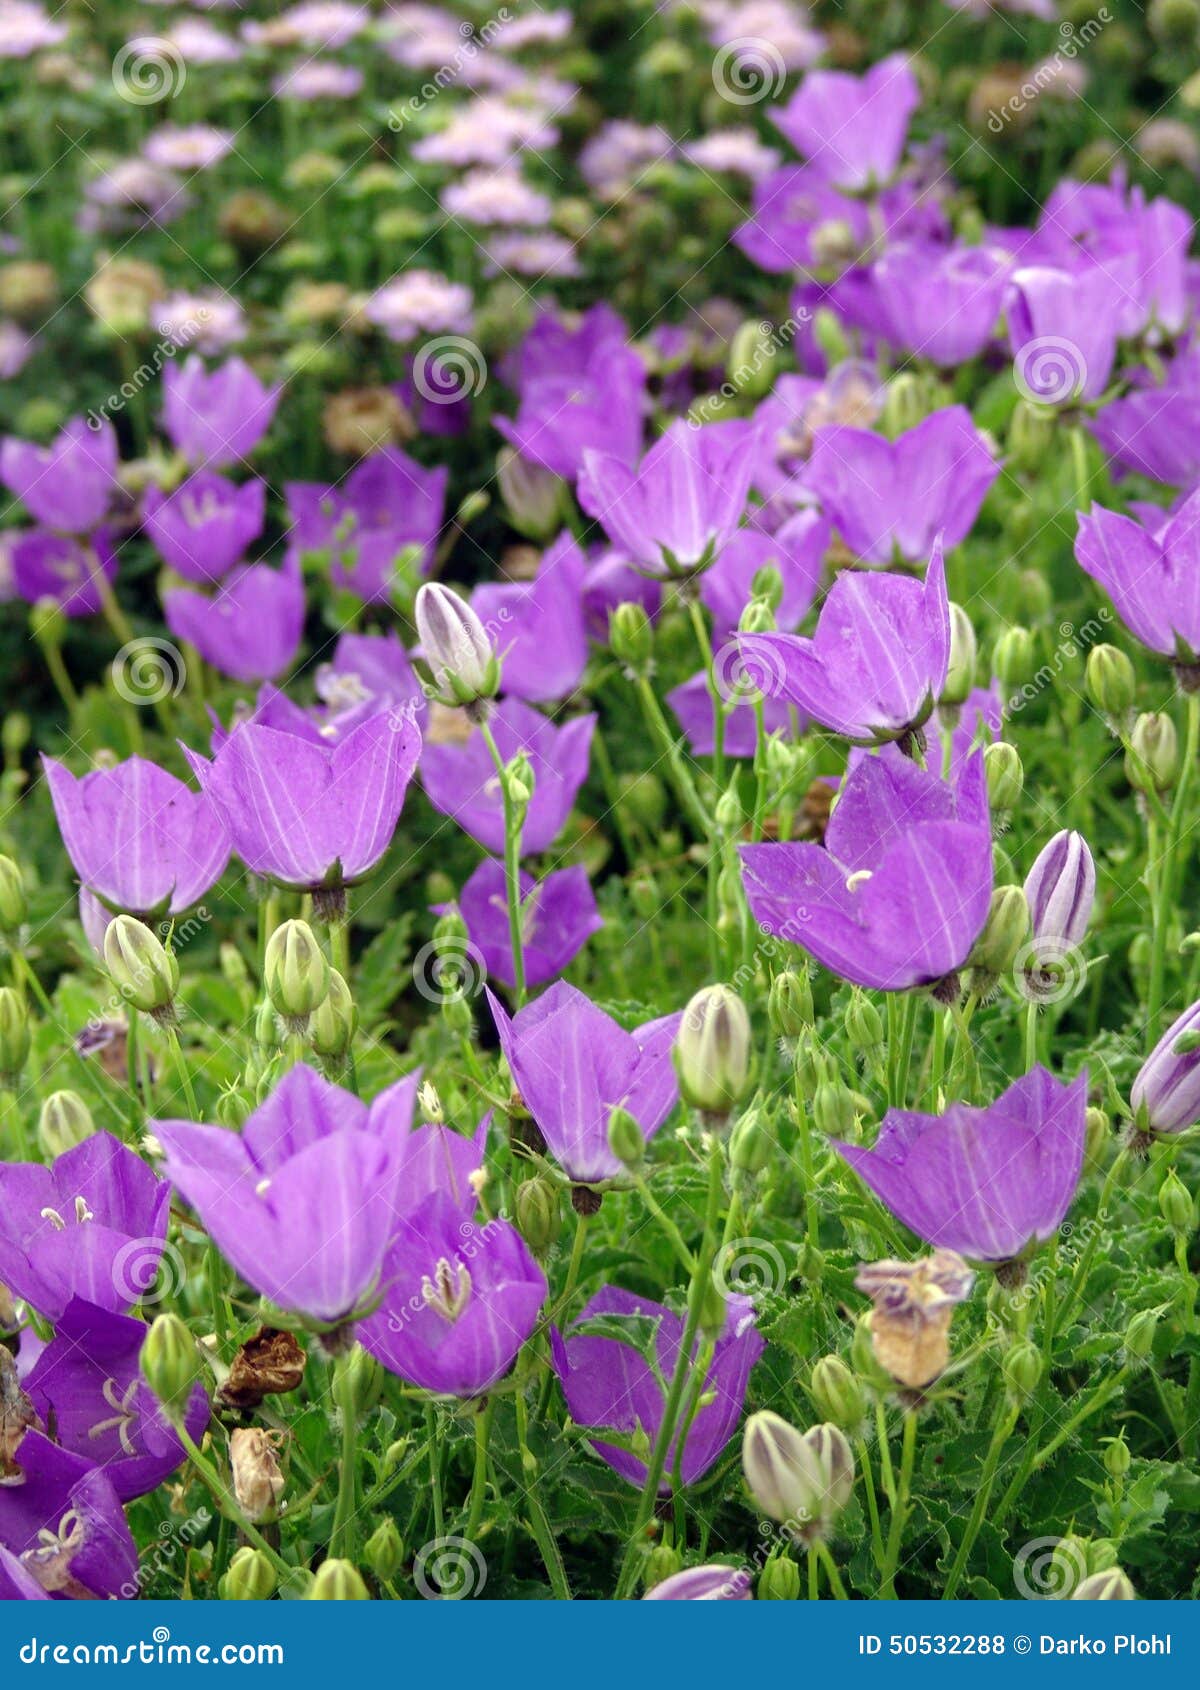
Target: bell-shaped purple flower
[(558, 916), (69, 484), (250, 629), (432, 1157), (139, 839), (877, 662), (304, 1200), (88, 1384), (1060, 889), (65, 1524), (388, 504), (1155, 429), (461, 780), (581, 389), (16, 1584), (852, 128), (890, 498), (461, 1298), (616, 1383), (366, 673), (986, 1183), (941, 303), (673, 513), (538, 628), (692, 704), (62, 568), (714, 1583), (573, 1065), (899, 892), (796, 549), (91, 1226), (216, 416), (1166, 1093), (1152, 579), (312, 816), (204, 525), (1062, 328)]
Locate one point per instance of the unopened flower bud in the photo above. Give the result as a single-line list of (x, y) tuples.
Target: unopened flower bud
[(662, 1563), (234, 969), (712, 1051), (338, 1581), (14, 907), (1005, 777), (1022, 1367), (751, 1144), (144, 972), (800, 1480), (960, 675), (766, 584), (335, 1021), (1110, 1586), (257, 1479), (1013, 660), (1030, 432), (779, 1580), (626, 1139), (835, 1110), (757, 618), (169, 1361), (65, 1121), (1166, 1092), (533, 496), (790, 1004), (905, 404), (1175, 1204), (14, 1035), (729, 814), (234, 1107), (1060, 889), (455, 644), (837, 1394), (295, 973), (250, 1577), (538, 1214), (1117, 1459), (383, 1551), (714, 1309), (1111, 683), (864, 1024), (753, 351), (518, 780), (1097, 1136), (1004, 932), (631, 637), (1152, 761), (1139, 1335)]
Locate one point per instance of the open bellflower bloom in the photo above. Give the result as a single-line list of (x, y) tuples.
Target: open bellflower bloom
[(703, 1584), (17, 1585), (461, 780), (900, 890), (305, 1199), (139, 839), (1063, 327), (890, 498), (558, 916), (1153, 579), (92, 1226), (460, 1298), (941, 303), (1166, 1093), (250, 629), (573, 1065), (203, 527), (611, 1383), (673, 513), (69, 484), (877, 662), (989, 1183), (87, 1378), (65, 1525), (217, 416), (388, 504), (852, 128), (539, 626), (60, 567), (312, 816)]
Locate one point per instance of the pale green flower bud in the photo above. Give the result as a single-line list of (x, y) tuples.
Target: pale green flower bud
[(169, 1362), (65, 1121), (712, 1051), (338, 1581), (250, 1577), (144, 972), (295, 973), (455, 644), (960, 676)]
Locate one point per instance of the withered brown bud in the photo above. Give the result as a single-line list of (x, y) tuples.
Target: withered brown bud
[(914, 1305), (257, 1478), (268, 1364)]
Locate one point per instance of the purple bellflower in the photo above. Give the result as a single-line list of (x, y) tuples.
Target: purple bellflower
[(877, 662), (139, 839), (692, 704), (899, 892), (70, 571), (538, 626), (852, 128), (217, 416), (203, 527), (558, 917), (987, 1183), (65, 1524), (91, 1226), (69, 484), (1061, 889), (250, 629), (460, 1299), (713, 1583), (573, 1065), (796, 549), (388, 504), (611, 1383), (1063, 327), (1153, 580), (941, 303)]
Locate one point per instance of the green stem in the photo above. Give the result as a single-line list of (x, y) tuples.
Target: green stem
[(1031, 1036), (864, 1461), (483, 1429), (1088, 1407), (1163, 872), (185, 1079), (668, 746), (1004, 1429), (512, 865), (342, 1536), (908, 1449), (831, 1572)]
